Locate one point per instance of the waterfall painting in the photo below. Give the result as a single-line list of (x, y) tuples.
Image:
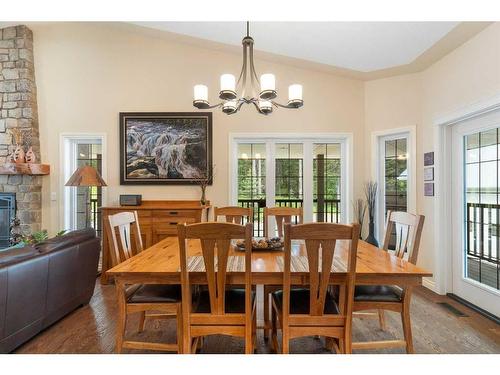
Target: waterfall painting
[(165, 148)]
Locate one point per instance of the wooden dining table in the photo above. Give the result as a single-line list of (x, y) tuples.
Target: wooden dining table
[(160, 264)]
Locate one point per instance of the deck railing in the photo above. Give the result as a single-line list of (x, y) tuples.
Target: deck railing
[(329, 213), (483, 242)]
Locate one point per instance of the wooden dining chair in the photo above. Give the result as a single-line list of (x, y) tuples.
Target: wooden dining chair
[(165, 299), (234, 214), (408, 228), (218, 309), (314, 311), (282, 216)]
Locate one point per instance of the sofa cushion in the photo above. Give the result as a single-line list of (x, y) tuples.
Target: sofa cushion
[(234, 301), (153, 293), (377, 293), (69, 239), (299, 301), (14, 254)]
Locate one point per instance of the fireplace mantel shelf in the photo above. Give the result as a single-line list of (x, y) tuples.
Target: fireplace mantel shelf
[(25, 168)]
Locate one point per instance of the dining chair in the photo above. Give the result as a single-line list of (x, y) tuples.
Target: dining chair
[(165, 299), (408, 228), (234, 214), (217, 309), (282, 216), (314, 310)]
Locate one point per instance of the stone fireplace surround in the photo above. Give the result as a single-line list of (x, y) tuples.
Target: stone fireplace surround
[(18, 109)]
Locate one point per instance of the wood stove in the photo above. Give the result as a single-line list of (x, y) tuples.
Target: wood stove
[(7, 213)]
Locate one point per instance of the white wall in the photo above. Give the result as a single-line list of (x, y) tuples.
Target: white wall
[(469, 74), (87, 73)]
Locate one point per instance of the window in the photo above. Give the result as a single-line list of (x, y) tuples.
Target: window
[(394, 165), (482, 207), (396, 175), (252, 181), (291, 171), (289, 191), (327, 182)]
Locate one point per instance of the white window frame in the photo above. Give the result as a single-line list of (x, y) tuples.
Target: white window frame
[(378, 172), (307, 140), (68, 149)]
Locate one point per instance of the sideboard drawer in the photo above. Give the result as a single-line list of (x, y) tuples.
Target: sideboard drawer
[(176, 213), (171, 221)]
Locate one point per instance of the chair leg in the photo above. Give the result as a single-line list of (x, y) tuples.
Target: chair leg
[(405, 318), (285, 340), (274, 331), (348, 337), (341, 346), (266, 313), (142, 321), (180, 342), (122, 316), (381, 319)]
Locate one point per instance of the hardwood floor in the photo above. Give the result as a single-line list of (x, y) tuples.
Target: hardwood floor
[(91, 329)]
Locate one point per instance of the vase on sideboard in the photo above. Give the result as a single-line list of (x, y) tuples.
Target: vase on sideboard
[(371, 234)]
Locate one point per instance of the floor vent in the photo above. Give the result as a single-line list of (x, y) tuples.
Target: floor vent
[(452, 309)]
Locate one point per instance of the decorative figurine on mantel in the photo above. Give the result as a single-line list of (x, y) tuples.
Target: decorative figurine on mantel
[(18, 156), (30, 154)]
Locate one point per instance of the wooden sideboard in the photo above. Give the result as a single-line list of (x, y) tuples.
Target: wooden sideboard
[(158, 219)]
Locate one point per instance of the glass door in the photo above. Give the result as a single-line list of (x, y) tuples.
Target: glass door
[(290, 173), (251, 181), (476, 212)]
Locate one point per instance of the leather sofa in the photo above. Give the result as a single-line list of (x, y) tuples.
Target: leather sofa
[(40, 284)]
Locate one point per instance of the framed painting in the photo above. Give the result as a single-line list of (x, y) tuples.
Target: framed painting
[(166, 148)]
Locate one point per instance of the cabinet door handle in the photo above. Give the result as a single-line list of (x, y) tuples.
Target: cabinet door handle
[(173, 223), (173, 212)]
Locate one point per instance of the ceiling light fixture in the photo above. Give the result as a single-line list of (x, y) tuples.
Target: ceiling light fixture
[(262, 98)]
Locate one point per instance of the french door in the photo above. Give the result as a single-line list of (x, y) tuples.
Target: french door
[(291, 172), (476, 211)]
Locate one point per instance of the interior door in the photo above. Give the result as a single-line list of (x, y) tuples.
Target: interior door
[(476, 211)]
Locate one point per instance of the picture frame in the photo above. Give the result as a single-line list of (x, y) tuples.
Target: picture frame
[(165, 148), (428, 158), (429, 189), (429, 174)]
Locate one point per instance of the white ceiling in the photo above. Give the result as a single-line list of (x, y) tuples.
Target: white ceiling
[(361, 46)]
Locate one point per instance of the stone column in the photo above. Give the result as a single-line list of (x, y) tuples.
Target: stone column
[(18, 109)]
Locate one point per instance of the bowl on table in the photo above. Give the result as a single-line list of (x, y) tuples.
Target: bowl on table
[(274, 243)]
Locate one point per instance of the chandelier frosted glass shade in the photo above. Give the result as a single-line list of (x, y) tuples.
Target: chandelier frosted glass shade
[(248, 89), (227, 87)]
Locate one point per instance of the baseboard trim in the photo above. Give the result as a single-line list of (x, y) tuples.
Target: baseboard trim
[(429, 284), (477, 309)]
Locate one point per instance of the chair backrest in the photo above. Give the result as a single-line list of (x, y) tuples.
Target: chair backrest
[(283, 215), (234, 214), (320, 242), (408, 229), (124, 223), (215, 239)]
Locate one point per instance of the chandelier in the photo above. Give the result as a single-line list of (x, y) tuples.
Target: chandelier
[(245, 91)]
